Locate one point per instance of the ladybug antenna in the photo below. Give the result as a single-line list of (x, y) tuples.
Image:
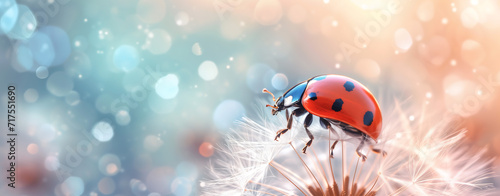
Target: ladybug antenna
[(271, 106), (266, 91)]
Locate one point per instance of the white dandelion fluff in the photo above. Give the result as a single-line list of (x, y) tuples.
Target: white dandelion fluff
[(426, 155)]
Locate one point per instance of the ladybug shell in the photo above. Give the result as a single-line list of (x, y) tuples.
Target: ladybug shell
[(343, 99)]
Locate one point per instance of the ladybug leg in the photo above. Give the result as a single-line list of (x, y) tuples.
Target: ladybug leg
[(289, 118), (375, 150), (288, 126), (360, 147), (333, 147), (378, 151), (326, 125), (307, 123), (287, 114), (278, 134), (297, 112)]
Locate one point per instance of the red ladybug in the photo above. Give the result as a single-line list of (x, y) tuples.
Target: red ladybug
[(335, 99)]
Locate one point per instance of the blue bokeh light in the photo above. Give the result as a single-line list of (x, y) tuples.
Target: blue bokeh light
[(126, 58), (167, 87), (226, 113), (259, 76), (9, 13), (24, 56), (42, 49), (60, 43), (59, 84), (25, 25), (73, 186), (103, 131)]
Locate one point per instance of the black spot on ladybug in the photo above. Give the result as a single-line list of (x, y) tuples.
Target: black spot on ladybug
[(319, 78), (313, 96), (368, 118), (337, 105), (349, 86)]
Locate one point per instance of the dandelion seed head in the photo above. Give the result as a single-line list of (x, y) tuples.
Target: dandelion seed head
[(425, 156)]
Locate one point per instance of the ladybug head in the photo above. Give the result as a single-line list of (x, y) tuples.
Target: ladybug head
[(278, 103), (291, 98)]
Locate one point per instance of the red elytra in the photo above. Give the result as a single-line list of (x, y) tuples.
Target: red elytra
[(357, 103)]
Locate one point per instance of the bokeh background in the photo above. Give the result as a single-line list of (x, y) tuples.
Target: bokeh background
[(129, 97)]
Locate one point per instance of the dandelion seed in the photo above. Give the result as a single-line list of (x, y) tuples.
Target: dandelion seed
[(425, 157)]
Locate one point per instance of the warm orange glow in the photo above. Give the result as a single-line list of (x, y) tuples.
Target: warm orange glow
[(206, 149)]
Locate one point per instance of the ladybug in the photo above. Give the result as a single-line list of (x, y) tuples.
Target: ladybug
[(337, 100)]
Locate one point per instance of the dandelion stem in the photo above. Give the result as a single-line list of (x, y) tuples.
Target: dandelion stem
[(308, 169), (345, 185), (354, 176), (320, 165), (374, 183), (330, 159), (287, 178), (361, 170), (343, 165), (371, 171), (293, 176)]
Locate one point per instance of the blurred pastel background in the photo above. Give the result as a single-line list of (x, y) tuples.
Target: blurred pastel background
[(129, 97)]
